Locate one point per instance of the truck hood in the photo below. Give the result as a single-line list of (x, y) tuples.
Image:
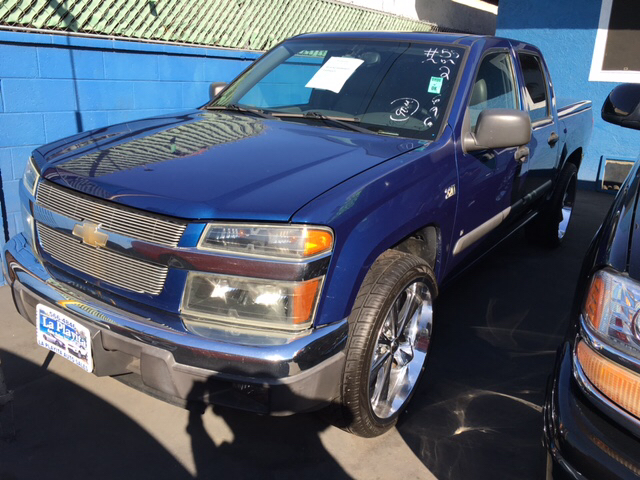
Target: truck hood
[(214, 165)]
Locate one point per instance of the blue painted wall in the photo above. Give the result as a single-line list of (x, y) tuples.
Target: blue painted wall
[(565, 31), (52, 86)]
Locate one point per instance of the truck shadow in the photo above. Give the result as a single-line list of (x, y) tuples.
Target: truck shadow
[(477, 413), (262, 447), (64, 431)]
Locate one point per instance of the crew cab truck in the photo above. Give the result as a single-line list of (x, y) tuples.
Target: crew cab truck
[(280, 248)]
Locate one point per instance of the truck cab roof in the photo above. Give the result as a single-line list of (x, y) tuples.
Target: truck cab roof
[(458, 38)]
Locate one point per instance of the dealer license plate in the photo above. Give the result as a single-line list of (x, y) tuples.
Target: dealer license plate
[(64, 336)]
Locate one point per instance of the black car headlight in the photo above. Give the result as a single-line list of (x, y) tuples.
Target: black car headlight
[(611, 318), (611, 311)]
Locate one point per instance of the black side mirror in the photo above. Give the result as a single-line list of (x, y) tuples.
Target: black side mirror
[(499, 128), (622, 106), (215, 88)]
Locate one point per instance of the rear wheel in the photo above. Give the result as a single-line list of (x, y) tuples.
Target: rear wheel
[(550, 227), (390, 332)]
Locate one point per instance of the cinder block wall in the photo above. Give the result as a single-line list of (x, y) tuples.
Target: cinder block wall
[(566, 38), (52, 86)]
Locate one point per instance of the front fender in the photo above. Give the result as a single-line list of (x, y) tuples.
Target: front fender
[(377, 209)]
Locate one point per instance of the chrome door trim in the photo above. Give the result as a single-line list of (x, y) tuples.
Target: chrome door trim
[(480, 231)]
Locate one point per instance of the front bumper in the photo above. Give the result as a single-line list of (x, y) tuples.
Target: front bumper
[(267, 375), (581, 441)]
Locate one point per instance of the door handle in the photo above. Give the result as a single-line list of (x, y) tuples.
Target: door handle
[(522, 154), (553, 139)]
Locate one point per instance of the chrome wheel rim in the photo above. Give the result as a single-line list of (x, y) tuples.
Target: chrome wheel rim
[(401, 349), (567, 207)]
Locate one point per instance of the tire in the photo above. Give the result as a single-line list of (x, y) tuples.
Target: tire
[(551, 224), (397, 282)]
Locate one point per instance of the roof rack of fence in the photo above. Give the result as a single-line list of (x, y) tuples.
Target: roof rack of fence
[(245, 24)]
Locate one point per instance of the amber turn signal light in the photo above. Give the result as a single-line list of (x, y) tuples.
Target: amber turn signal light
[(619, 384), (317, 241), (304, 300), (595, 301)]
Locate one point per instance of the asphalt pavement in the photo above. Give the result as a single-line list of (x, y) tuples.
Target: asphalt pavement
[(476, 414)]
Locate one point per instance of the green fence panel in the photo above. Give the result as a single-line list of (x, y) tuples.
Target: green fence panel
[(246, 24)]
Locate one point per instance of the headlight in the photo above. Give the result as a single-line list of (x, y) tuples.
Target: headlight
[(254, 302), (611, 311), (295, 242), (31, 177)]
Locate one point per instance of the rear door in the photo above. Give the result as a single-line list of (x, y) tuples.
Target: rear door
[(538, 169)]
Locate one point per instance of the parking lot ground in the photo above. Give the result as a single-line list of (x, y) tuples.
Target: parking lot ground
[(475, 415)]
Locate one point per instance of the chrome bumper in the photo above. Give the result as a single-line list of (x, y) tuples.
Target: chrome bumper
[(266, 374)]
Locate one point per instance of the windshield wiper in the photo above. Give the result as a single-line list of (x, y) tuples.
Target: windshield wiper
[(342, 121), (237, 108)]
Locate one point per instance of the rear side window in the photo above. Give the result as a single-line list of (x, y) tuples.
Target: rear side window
[(536, 93), (494, 86)]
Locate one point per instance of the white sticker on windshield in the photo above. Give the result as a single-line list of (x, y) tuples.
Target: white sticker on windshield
[(334, 73)]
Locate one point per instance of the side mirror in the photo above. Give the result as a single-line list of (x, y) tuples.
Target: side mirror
[(622, 106), (499, 128), (215, 88)]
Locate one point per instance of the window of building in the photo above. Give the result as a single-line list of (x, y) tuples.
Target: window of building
[(615, 57)]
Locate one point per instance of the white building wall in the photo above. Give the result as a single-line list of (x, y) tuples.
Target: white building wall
[(404, 8), (463, 15)]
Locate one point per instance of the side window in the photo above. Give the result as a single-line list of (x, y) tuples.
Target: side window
[(535, 92), (494, 86)]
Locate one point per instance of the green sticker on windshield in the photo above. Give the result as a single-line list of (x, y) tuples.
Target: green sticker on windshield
[(435, 85)]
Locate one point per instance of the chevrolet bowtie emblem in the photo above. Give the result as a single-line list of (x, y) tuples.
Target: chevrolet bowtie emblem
[(90, 235)]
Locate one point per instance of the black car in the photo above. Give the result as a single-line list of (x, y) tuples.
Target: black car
[(592, 409)]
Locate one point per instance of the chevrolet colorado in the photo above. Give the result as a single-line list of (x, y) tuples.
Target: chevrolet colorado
[(280, 248)]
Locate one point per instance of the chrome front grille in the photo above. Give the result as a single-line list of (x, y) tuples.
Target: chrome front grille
[(111, 218), (114, 268)]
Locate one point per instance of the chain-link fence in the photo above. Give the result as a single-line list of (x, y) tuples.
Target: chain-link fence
[(246, 24)]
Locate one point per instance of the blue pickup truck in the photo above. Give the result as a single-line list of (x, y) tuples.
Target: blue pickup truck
[(280, 248)]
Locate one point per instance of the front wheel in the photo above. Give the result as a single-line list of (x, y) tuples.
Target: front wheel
[(390, 333)]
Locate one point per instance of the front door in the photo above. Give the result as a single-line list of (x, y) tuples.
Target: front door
[(486, 178)]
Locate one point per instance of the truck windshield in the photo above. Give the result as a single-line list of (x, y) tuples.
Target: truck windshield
[(392, 88)]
